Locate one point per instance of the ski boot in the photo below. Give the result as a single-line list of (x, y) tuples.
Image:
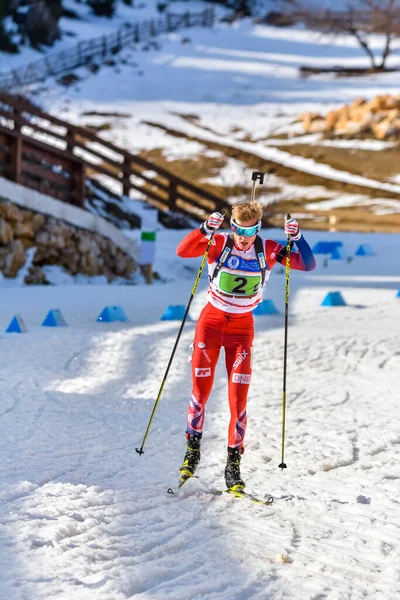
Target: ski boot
[(192, 458), (233, 478)]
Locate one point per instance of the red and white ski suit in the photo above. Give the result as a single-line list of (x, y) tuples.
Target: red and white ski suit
[(227, 321)]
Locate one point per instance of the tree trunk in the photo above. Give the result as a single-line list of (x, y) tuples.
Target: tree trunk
[(364, 45), (387, 50)]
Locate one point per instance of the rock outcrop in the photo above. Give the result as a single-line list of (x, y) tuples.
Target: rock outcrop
[(56, 243), (379, 118)]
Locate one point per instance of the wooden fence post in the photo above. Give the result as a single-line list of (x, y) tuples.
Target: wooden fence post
[(16, 159), (16, 77), (49, 68), (79, 51), (126, 172), (173, 194), (70, 138), (148, 273), (17, 119), (168, 21), (79, 184)]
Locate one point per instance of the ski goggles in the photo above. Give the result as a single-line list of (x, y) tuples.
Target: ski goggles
[(246, 231)]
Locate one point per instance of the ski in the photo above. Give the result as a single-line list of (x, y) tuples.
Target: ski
[(181, 483), (236, 493), (239, 493)]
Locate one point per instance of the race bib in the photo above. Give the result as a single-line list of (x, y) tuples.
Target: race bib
[(239, 285)]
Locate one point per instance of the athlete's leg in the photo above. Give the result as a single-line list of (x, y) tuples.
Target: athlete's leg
[(238, 342), (207, 345)]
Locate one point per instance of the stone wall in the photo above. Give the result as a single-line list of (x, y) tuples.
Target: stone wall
[(379, 118), (56, 243)]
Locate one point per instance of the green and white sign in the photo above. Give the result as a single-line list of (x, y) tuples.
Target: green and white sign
[(148, 237)]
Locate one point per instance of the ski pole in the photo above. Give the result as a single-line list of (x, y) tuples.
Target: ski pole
[(287, 285), (196, 283), (256, 176)]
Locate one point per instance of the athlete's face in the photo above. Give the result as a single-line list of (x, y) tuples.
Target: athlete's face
[(243, 242)]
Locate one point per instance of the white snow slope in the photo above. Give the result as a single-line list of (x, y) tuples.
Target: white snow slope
[(237, 85), (84, 517)]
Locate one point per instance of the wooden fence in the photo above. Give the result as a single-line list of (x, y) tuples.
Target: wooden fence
[(98, 48), (52, 156)]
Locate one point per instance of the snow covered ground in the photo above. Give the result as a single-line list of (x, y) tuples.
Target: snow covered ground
[(234, 84), (87, 26), (83, 517)]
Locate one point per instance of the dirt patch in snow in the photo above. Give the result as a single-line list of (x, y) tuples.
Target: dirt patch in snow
[(368, 217)]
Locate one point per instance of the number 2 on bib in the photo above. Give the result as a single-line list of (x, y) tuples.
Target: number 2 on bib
[(239, 285)]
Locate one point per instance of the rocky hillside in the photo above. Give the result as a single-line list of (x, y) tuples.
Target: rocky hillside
[(55, 242)]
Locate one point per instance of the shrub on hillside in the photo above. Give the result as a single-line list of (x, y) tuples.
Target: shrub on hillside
[(7, 7), (6, 43), (242, 8), (102, 8), (35, 21), (41, 23), (69, 13), (278, 19)]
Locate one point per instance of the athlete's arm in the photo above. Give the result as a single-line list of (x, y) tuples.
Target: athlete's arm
[(195, 244), (302, 261)]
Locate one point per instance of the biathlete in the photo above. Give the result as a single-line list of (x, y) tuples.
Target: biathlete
[(239, 265)]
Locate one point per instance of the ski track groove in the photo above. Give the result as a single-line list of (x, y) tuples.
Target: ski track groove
[(297, 541)]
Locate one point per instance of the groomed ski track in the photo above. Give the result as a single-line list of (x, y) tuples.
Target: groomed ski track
[(82, 516)]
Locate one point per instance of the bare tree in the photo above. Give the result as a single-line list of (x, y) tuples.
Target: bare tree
[(361, 19)]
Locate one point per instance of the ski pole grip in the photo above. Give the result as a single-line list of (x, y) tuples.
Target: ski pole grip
[(223, 213), (258, 176), (288, 217)]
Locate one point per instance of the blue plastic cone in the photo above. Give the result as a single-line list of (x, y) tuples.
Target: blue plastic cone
[(365, 250), (54, 318), (266, 307), (17, 325), (337, 254), (333, 299), (175, 313), (112, 313)]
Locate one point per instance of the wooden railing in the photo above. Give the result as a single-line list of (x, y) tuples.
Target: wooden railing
[(100, 47), (50, 155)]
